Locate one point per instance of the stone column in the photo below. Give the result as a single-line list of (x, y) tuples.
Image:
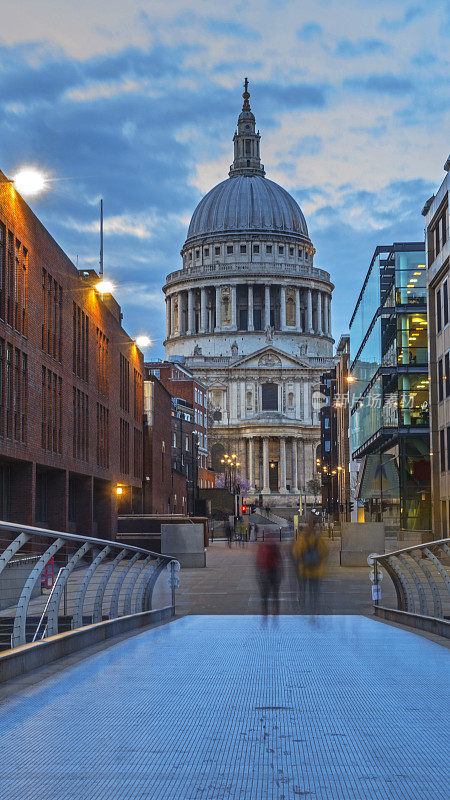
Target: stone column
[(265, 489), (203, 319), (319, 313), (309, 321), (307, 414), (266, 305), (180, 313), (251, 462), (191, 312), (250, 325), (297, 401), (294, 487), (218, 320), (325, 314), (243, 399), (168, 317), (233, 307), (298, 321), (282, 465), (329, 315), (283, 308)]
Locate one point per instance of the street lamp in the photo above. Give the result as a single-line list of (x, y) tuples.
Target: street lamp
[(143, 341), (30, 181), (104, 287)]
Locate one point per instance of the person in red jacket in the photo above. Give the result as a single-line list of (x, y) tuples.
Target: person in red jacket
[(269, 566)]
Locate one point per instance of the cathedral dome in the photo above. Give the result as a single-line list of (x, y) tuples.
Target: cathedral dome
[(247, 202)]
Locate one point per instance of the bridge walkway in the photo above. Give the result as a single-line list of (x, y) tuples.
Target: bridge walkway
[(229, 707)]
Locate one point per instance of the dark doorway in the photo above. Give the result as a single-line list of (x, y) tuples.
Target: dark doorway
[(273, 476), (242, 319), (257, 323)]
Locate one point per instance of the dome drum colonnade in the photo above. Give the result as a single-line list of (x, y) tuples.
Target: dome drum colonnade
[(249, 312), (238, 306)]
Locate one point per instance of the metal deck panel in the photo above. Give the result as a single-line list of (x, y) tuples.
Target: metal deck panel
[(227, 708)]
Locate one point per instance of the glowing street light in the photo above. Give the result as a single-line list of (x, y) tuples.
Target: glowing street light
[(350, 379), (29, 181), (143, 341), (105, 287)]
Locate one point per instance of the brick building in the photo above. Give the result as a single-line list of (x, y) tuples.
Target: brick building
[(181, 383), (70, 386), (185, 456), (158, 483)]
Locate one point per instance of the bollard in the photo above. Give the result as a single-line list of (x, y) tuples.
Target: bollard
[(263, 533), (280, 534)]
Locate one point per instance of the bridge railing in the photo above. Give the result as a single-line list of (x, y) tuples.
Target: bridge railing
[(52, 582), (421, 578)]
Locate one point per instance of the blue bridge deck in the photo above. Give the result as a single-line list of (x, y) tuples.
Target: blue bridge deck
[(223, 707)]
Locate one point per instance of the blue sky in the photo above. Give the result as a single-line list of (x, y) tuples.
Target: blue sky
[(136, 102)]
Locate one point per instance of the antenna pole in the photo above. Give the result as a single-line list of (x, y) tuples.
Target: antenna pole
[(101, 238)]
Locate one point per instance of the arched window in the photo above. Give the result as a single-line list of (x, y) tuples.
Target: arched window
[(291, 399), (269, 397)]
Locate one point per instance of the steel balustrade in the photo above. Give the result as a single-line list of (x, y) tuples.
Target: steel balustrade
[(99, 580), (421, 578)]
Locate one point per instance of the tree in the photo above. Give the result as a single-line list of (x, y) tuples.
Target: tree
[(314, 487), (244, 484)]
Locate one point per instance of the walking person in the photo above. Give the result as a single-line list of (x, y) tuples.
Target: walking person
[(310, 552), (269, 566), (229, 533)]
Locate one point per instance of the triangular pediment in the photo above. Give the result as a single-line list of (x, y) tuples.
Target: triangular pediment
[(270, 357)]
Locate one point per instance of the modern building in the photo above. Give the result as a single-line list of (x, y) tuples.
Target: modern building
[(180, 382), (70, 386), (438, 263), (345, 499), (249, 314), (389, 417)]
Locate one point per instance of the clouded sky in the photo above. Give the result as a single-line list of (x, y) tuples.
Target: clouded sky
[(137, 102)]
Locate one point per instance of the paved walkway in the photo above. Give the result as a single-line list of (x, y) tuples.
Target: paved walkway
[(230, 708), (228, 585)]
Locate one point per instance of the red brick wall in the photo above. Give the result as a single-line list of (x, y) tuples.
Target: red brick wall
[(157, 446), (45, 254)]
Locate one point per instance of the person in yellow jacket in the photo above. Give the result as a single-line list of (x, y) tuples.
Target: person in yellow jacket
[(310, 552)]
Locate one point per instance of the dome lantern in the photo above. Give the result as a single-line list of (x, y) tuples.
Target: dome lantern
[(246, 140)]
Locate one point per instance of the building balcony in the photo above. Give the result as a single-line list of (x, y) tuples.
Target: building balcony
[(244, 270)]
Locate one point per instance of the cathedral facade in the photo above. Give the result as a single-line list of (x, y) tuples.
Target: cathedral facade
[(250, 315)]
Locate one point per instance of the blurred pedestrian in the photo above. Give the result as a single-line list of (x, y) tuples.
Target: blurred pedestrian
[(229, 533), (310, 553), (269, 566)]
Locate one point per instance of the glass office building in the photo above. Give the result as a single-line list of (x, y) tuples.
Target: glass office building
[(389, 406)]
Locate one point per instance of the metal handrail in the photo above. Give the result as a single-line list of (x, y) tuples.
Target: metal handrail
[(120, 567), (14, 526), (435, 543), (46, 606), (421, 581)]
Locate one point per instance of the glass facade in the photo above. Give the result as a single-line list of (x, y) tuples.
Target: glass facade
[(389, 398)]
